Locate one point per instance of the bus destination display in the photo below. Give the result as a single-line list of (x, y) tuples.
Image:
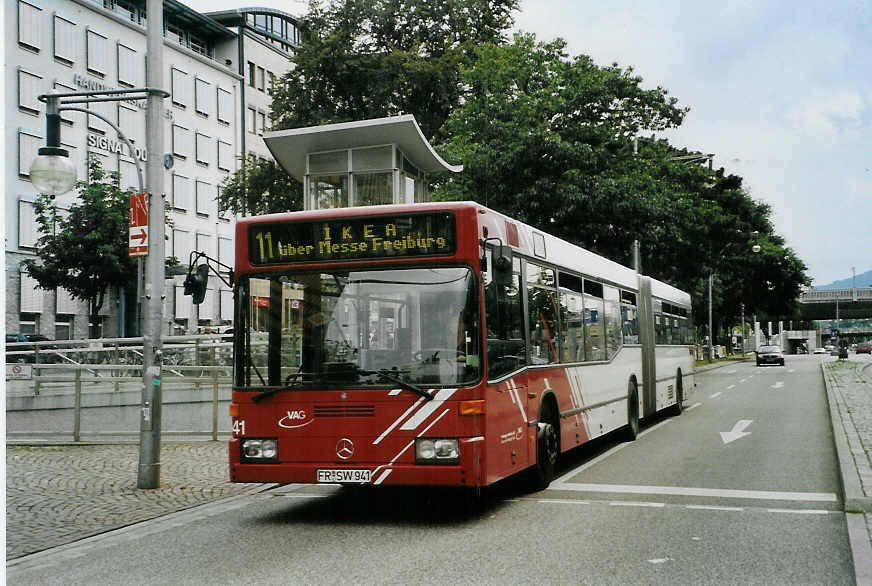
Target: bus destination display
[(352, 239)]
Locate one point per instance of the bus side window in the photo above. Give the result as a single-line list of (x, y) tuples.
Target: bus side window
[(613, 320), (504, 320), (542, 306)]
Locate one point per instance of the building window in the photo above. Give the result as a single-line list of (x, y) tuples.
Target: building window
[(261, 122), (31, 295), (225, 106), (251, 113), (176, 34), (129, 176), (202, 95), (181, 141), (28, 323), (225, 155), (180, 88), (128, 66), (63, 88), (204, 244), (27, 229), (205, 197), (260, 79), (203, 152), (64, 327), (225, 251), (98, 51), (28, 89), (251, 69), (182, 246), (329, 191), (181, 193), (28, 26), (131, 123), (105, 109), (28, 145), (64, 40)]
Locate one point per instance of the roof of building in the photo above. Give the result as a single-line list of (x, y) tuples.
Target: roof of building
[(175, 10), (237, 15), (290, 147)]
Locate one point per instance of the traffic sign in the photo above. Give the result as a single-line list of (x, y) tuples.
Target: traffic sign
[(138, 243)]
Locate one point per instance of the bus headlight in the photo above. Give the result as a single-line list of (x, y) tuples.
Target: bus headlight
[(436, 451), (260, 450)]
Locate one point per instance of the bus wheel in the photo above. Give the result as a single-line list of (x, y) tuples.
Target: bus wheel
[(632, 429), (679, 394), (547, 448)]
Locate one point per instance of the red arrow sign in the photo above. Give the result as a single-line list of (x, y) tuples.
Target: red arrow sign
[(138, 243)]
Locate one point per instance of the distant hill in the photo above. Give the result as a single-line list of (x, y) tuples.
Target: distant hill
[(864, 280)]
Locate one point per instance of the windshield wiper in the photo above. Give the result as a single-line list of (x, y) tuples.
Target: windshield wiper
[(390, 376), (286, 387)]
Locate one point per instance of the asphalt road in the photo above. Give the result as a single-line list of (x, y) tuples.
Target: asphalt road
[(684, 504)]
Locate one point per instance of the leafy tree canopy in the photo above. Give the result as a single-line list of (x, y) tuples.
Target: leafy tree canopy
[(85, 249), (260, 187)]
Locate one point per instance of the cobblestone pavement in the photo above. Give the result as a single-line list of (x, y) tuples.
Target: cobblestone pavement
[(849, 386), (60, 494)]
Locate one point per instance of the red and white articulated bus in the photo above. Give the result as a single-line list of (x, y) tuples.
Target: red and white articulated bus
[(438, 344)]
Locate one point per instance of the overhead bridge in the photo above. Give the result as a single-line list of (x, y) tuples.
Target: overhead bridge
[(852, 302)]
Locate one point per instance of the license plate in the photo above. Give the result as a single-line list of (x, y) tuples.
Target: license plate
[(345, 475)]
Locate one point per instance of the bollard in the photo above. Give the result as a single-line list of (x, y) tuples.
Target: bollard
[(215, 404), (77, 407)]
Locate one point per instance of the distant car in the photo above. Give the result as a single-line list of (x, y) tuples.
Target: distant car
[(770, 355), (820, 350), (864, 348)]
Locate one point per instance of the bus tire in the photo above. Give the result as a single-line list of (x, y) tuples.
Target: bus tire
[(631, 432), (679, 395), (547, 447)]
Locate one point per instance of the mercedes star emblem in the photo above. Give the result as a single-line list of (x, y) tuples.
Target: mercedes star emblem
[(345, 448)]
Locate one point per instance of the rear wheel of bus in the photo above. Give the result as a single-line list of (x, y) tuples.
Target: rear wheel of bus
[(632, 429), (547, 446)]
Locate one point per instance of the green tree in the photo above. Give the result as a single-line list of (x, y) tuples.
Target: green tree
[(260, 187), (363, 59), (85, 250)]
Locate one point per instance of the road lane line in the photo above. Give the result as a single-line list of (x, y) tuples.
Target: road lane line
[(715, 508), (706, 492), (718, 394), (637, 504), (802, 511), (731, 387)]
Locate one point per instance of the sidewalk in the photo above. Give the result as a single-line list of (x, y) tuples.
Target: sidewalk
[(849, 394), (57, 494)]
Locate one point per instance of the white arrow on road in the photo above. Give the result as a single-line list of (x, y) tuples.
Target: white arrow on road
[(777, 385), (737, 432)]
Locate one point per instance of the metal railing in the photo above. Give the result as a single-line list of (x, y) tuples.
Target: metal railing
[(56, 376)]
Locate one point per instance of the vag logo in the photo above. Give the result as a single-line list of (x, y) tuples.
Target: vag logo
[(294, 419)]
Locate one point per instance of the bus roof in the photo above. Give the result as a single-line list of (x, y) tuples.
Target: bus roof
[(535, 244)]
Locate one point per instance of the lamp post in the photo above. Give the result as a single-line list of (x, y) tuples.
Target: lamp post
[(754, 248), (53, 173)]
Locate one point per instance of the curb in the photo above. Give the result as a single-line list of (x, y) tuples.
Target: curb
[(847, 443)]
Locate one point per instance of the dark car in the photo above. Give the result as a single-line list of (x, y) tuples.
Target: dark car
[(864, 348), (770, 355), (17, 339)]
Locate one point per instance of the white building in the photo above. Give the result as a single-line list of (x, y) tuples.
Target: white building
[(219, 71)]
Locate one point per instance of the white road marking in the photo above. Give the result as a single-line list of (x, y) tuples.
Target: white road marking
[(801, 511), (694, 406), (637, 504), (777, 385), (660, 560), (718, 394), (773, 495), (731, 387), (714, 508), (737, 432), (563, 501)]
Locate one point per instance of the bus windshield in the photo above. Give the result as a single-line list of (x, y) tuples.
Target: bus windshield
[(359, 328)]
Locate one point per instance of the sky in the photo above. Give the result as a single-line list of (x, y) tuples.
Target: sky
[(779, 90)]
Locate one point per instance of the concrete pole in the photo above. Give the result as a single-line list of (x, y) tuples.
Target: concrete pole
[(150, 412), (743, 331), (711, 341)]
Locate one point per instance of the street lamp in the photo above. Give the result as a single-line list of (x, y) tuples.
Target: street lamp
[(52, 172), (755, 248)]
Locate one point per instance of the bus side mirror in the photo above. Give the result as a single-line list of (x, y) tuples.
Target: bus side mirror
[(195, 284), (502, 261)]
